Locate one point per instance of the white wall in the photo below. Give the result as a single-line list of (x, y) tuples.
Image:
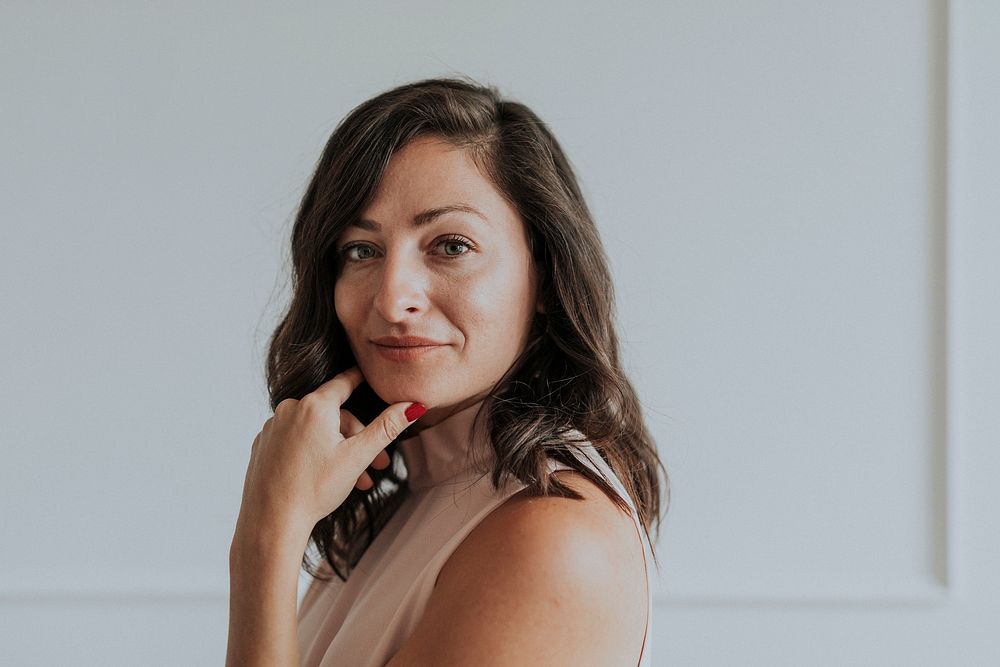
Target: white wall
[(800, 202)]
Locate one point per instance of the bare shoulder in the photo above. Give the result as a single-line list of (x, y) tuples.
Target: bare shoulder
[(540, 581)]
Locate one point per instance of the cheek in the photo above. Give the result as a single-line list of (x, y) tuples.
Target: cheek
[(346, 308), (493, 309)]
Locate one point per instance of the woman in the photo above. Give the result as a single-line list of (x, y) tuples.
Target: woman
[(451, 292)]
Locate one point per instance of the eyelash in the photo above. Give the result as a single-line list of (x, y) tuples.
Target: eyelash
[(454, 238)]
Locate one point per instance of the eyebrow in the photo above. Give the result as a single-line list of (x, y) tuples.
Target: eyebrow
[(424, 217)]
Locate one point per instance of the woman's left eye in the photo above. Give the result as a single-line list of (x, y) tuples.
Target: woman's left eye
[(455, 241)]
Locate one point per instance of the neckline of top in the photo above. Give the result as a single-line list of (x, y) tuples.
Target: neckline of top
[(441, 451)]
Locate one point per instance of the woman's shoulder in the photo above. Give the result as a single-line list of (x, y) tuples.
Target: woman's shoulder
[(590, 539), (594, 516), (592, 529), (514, 577)]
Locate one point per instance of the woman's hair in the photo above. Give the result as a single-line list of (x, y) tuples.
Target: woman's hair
[(569, 376)]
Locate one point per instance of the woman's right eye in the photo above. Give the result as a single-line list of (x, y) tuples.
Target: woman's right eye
[(345, 252)]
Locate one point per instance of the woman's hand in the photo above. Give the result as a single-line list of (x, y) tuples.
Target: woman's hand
[(311, 453)]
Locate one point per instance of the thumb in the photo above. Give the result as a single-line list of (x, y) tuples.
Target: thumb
[(387, 426)]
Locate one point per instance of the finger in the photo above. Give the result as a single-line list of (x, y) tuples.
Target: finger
[(381, 461), (341, 386), (364, 482), (384, 429), (349, 424)]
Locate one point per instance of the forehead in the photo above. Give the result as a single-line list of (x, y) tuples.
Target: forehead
[(429, 177)]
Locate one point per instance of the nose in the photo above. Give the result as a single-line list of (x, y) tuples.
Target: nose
[(402, 290)]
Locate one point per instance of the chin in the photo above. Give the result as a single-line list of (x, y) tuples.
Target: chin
[(398, 388), (431, 386)]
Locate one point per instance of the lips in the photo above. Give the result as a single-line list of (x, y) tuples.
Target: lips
[(405, 349), (406, 341)]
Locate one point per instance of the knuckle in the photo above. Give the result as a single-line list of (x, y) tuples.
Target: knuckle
[(388, 429), (310, 402), (391, 429), (311, 407)]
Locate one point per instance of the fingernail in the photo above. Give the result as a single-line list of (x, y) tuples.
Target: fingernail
[(414, 411)]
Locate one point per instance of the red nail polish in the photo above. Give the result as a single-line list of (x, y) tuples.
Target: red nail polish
[(415, 410)]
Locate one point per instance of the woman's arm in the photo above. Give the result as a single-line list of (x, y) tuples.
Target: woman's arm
[(264, 565), (303, 465)]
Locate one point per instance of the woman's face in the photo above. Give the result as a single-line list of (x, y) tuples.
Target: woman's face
[(464, 280)]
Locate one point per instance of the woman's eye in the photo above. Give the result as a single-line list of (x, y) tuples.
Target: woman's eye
[(452, 242), (346, 251)]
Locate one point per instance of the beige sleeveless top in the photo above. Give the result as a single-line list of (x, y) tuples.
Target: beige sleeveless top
[(367, 619)]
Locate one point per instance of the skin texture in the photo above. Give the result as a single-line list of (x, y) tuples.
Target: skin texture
[(478, 298)]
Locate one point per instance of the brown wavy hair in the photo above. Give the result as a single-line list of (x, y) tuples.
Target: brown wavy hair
[(569, 376)]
